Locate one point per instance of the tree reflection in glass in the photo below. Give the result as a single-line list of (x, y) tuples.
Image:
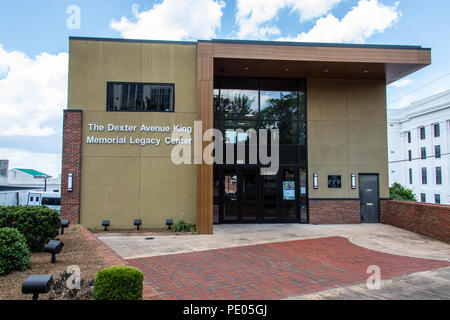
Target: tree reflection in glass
[(239, 104)]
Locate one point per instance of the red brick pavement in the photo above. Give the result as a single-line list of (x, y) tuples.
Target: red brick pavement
[(271, 271)]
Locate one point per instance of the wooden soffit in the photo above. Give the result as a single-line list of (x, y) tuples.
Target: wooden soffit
[(278, 59)]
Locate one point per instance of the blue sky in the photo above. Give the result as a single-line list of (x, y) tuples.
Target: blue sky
[(34, 44)]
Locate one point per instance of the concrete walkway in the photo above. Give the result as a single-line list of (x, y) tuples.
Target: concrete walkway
[(426, 285), (379, 237)]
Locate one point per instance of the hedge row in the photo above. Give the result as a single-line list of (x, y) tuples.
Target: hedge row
[(39, 225), (14, 251)]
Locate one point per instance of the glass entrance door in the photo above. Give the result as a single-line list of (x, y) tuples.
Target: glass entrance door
[(290, 194), (240, 195), (230, 195), (246, 196), (249, 195)]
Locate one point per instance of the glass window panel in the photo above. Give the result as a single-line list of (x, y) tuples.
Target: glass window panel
[(289, 186), (140, 97), (270, 197), (287, 129), (239, 104), (281, 105)]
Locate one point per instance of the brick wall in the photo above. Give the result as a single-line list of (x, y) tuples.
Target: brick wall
[(334, 211), (431, 220), (71, 163)]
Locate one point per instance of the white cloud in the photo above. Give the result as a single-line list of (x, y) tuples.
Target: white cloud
[(43, 162), (253, 16), (173, 20), (33, 92), (402, 83), (360, 23)]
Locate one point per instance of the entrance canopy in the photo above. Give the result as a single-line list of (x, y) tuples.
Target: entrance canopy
[(314, 60)]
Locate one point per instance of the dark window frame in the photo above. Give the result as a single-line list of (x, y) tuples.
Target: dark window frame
[(437, 130), (423, 197), (437, 198), (438, 175), (437, 152), (108, 83), (422, 133), (423, 153), (409, 155), (409, 136), (424, 176), (410, 176)]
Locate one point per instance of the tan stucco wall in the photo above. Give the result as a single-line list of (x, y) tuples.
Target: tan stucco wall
[(346, 134), (126, 182)]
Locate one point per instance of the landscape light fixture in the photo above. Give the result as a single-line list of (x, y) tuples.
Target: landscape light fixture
[(137, 223), (353, 181), (315, 181), (64, 224), (106, 224), (36, 284), (70, 182), (169, 223), (54, 247)]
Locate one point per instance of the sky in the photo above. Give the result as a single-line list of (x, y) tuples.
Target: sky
[(34, 38)]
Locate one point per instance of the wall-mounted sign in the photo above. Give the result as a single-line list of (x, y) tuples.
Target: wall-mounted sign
[(183, 138), (334, 181), (288, 190)]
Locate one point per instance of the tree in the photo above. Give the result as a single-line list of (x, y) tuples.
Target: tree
[(398, 192)]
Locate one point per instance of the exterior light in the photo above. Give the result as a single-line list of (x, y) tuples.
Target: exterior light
[(70, 182), (169, 223), (54, 247), (36, 284), (106, 224), (246, 68), (353, 181), (315, 181), (326, 70), (287, 70), (137, 223), (64, 224), (365, 71)]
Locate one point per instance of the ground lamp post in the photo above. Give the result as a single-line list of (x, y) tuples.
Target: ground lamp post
[(169, 223), (54, 247), (137, 223), (64, 224), (36, 284), (106, 224)]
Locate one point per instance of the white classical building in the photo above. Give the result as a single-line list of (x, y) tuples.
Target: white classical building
[(419, 146)]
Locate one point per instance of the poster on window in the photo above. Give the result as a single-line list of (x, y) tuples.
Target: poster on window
[(288, 190)]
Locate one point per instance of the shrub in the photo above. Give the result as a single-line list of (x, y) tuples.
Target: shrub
[(14, 251), (398, 192), (181, 226), (39, 225), (118, 283)]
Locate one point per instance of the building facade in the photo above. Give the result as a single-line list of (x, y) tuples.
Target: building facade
[(419, 145), (133, 103)]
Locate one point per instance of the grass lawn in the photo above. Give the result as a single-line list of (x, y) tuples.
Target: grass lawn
[(76, 251)]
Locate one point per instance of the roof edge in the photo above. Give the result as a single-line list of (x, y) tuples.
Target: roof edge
[(259, 42), (132, 40), (319, 44)]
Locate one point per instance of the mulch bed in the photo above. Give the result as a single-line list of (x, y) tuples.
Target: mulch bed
[(77, 251)]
